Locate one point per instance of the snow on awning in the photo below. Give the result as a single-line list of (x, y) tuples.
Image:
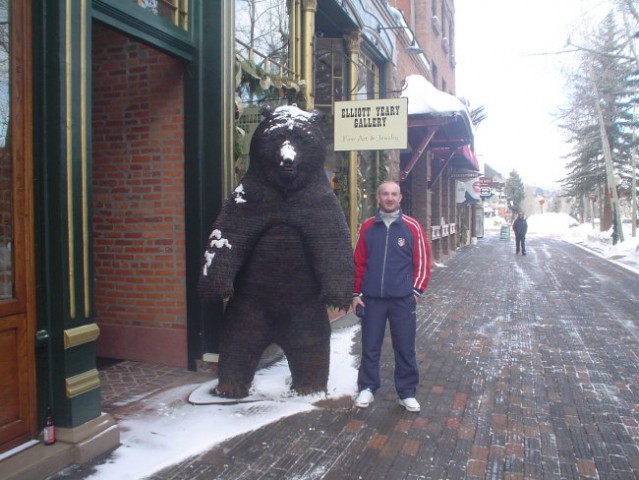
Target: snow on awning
[(437, 120), (424, 98)]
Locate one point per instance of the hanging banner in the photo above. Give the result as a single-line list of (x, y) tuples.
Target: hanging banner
[(380, 124)]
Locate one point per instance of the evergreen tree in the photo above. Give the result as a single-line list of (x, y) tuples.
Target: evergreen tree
[(515, 191), (599, 120)]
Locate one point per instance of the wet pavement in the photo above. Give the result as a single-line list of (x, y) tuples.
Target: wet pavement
[(529, 369)]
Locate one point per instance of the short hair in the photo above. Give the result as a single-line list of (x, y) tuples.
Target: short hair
[(388, 182)]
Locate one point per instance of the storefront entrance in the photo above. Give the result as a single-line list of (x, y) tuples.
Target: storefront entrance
[(137, 181)]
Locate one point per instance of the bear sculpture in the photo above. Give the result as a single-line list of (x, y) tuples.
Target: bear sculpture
[(280, 250)]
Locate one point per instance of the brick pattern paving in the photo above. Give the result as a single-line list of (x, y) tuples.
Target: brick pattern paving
[(529, 370), (122, 383), (125, 382)]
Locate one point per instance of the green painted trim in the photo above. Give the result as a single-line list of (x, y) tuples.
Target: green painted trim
[(62, 159), (133, 20), (209, 105)]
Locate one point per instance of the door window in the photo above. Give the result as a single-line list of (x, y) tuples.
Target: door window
[(6, 191)]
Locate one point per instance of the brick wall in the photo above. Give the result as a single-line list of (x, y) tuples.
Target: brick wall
[(138, 200), (431, 34)]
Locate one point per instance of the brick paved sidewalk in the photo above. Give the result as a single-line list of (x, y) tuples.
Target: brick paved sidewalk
[(529, 369)]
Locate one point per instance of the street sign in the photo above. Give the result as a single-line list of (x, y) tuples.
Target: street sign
[(464, 175), (484, 192)]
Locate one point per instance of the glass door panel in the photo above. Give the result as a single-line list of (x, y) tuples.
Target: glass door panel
[(6, 173)]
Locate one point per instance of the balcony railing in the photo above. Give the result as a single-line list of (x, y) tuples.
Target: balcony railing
[(442, 231)]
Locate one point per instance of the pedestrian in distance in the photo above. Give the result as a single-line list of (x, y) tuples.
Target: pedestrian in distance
[(392, 269), (520, 227)]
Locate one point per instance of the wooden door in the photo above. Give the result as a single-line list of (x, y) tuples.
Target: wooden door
[(17, 324)]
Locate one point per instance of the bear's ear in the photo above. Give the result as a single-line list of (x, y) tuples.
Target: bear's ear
[(316, 116), (267, 111)]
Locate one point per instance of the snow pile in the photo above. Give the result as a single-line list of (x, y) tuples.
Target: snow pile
[(551, 223), (168, 430), (567, 228)]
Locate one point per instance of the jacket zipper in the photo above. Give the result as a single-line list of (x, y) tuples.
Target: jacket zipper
[(384, 262)]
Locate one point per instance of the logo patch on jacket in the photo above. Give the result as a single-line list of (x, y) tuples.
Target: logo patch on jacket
[(401, 241)]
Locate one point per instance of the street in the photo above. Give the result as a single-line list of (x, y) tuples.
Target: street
[(529, 369)]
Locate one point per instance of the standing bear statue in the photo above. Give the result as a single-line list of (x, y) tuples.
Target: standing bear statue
[(280, 251)]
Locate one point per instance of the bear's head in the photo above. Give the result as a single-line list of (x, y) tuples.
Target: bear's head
[(287, 148)]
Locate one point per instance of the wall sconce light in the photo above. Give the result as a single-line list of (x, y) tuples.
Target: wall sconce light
[(413, 48)]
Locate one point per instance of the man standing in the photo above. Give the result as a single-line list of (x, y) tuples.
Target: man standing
[(520, 227), (392, 269)]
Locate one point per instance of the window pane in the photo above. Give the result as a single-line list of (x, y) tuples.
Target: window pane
[(174, 11), (6, 190), (262, 34)]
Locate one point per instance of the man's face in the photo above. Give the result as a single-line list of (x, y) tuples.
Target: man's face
[(389, 197)]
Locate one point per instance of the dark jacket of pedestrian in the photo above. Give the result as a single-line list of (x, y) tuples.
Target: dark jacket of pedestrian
[(520, 226)]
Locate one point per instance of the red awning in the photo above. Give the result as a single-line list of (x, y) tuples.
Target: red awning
[(469, 156), (463, 157), (447, 135)]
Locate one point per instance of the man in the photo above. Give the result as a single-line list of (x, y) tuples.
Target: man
[(520, 227), (392, 269)]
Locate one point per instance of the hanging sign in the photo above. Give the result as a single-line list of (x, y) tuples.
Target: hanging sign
[(463, 175), (380, 124)]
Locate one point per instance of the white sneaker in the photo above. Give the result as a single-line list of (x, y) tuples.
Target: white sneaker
[(365, 398), (411, 404)]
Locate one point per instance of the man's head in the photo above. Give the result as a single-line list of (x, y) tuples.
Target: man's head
[(520, 214), (388, 197)]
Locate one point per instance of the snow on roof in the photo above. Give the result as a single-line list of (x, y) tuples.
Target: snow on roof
[(423, 97)]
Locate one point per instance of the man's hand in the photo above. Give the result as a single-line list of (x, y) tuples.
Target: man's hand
[(357, 301)]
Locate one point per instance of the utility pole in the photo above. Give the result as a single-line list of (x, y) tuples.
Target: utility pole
[(614, 200), (634, 207)]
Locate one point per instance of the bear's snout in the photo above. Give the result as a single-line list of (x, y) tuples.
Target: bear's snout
[(287, 159), (288, 153)]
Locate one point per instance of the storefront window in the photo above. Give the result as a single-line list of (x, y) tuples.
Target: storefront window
[(264, 73), (331, 65), (330, 68), (6, 190), (371, 168), (262, 33)]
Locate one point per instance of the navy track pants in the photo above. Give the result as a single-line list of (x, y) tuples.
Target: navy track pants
[(402, 318)]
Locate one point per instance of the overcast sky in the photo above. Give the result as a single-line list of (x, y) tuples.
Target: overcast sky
[(508, 61)]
